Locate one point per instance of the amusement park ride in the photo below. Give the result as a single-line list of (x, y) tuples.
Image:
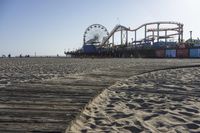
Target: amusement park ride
[(98, 42)]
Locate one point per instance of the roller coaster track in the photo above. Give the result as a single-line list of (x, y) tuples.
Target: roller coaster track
[(161, 22), (178, 29), (115, 29)]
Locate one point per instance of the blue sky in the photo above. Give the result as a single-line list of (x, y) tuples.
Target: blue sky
[(47, 27)]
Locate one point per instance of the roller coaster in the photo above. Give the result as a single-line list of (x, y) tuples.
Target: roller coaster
[(143, 40), (175, 27)]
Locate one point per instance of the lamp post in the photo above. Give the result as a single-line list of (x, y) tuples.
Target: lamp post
[(191, 35)]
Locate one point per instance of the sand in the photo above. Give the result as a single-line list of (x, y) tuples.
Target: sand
[(161, 101), (48, 94)]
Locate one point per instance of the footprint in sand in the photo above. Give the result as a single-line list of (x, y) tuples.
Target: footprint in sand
[(131, 106), (177, 99), (139, 101), (186, 113), (146, 118), (160, 124), (192, 126), (109, 111), (120, 115), (93, 126), (87, 117), (117, 124), (161, 112), (156, 101), (146, 105), (84, 131), (191, 110), (133, 129), (197, 121), (178, 119), (110, 106)]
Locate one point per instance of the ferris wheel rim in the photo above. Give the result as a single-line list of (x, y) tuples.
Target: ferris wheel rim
[(93, 26)]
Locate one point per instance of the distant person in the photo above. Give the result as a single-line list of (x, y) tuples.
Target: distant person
[(27, 56)]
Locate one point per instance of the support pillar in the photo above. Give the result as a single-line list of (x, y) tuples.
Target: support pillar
[(145, 33), (182, 33), (113, 39), (179, 33), (158, 27), (153, 36), (135, 37), (126, 37), (121, 36)]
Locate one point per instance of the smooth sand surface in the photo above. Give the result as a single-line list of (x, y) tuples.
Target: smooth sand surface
[(162, 101)]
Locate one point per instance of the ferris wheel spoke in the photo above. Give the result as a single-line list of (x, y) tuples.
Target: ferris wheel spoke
[(95, 34)]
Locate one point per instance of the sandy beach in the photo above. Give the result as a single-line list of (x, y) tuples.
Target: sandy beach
[(50, 95), (160, 101), (86, 66)]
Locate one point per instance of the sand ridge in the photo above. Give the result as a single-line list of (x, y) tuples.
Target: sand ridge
[(163, 101)]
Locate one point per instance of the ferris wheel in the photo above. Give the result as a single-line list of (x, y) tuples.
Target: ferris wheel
[(95, 34)]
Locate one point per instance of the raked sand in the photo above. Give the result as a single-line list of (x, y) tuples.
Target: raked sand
[(160, 101)]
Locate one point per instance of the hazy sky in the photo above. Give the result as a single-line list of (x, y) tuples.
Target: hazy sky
[(47, 27)]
